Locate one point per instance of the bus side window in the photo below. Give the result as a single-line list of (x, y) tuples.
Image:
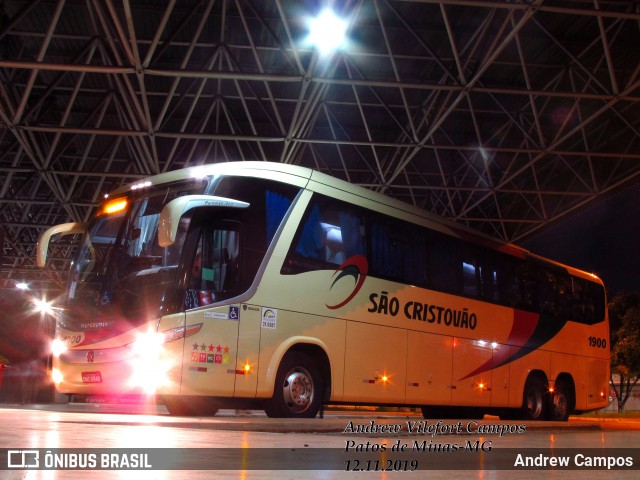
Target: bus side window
[(330, 232), (469, 278), (334, 250), (489, 282), (526, 287), (507, 281), (311, 241), (469, 261), (444, 256), (398, 250), (588, 302), (597, 296), (564, 296)]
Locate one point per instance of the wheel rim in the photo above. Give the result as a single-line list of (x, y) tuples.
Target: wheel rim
[(560, 405), (298, 390), (534, 403)]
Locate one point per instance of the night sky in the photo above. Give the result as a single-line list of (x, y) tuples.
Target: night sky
[(603, 239)]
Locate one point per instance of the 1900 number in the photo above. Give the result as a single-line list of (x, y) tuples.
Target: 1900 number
[(597, 342)]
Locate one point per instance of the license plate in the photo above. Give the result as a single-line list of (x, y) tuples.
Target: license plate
[(91, 377)]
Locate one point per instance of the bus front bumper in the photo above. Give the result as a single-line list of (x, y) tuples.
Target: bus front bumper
[(114, 371)]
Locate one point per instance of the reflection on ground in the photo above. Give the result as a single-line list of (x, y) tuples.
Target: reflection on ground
[(142, 426)]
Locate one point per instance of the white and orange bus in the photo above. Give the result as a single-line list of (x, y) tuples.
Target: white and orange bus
[(264, 285)]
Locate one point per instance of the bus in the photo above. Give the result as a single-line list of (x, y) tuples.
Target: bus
[(277, 287)]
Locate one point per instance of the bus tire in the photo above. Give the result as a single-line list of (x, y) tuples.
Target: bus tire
[(534, 399), (190, 406), (561, 401), (298, 388)]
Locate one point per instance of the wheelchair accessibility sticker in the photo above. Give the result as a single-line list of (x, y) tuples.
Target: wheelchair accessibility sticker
[(232, 314)]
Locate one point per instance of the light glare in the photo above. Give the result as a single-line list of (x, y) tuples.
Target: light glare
[(56, 376), (42, 306), (148, 344), (149, 368), (114, 206), (327, 32), (58, 347), (199, 173)]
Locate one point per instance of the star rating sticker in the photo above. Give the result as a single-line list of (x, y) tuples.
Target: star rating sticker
[(211, 347), (203, 347), (218, 349), (226, 349), (195, 346)]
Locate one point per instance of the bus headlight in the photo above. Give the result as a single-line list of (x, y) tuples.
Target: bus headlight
[(149, 365), (58, 347), (56, 376), (148, 344)]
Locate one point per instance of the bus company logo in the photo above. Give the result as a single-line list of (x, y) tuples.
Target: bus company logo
[(356, 267)]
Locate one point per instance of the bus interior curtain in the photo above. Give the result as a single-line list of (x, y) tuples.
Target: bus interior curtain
[(312, 238), (383, 255), (350, 230), (277, 206), (398, 253)]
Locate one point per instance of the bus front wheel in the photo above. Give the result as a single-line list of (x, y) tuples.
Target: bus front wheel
[(190, 406), (298, 388), (534, 401)]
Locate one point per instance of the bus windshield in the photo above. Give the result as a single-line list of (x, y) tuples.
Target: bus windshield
[(120, 261), (122, 273)]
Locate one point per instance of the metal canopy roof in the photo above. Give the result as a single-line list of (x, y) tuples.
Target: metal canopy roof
[(502, 115)]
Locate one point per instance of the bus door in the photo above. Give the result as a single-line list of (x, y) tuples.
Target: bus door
[(209, 358)]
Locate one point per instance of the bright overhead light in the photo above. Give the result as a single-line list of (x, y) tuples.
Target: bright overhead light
[(22, 286), (327, 31)]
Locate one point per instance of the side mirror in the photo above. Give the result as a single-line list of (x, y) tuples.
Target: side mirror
[(62, 229), (175, 209)]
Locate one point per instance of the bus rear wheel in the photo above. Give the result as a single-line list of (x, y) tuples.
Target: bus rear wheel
[(561, 402), (534, 401), (298, 388)]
